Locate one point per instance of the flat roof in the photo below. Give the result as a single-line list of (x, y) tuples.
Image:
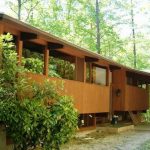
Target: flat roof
[(49, 36)]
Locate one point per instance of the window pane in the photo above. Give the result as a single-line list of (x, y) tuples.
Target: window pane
[(99, 75), (88, 72)]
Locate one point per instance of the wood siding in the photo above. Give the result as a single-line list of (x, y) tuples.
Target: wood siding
[(136, 98), (88, 98), (118, 82)]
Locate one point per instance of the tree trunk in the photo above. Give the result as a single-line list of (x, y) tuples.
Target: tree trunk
[(97, 27), (32, 10), (19, 9), (133, 35)]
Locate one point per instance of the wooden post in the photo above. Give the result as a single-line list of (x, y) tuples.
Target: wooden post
[(107, 76), (84, 67), (91, 73), (1, 32), (46, 61), (80, 70), (19, 48)]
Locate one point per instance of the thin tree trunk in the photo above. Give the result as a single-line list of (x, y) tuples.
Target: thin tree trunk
[(133, 35), (19, 9), (32, 10), (98, 46)]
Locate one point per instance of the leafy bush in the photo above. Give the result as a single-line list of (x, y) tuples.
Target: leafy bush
[(34, 65), (34, 114), (147, 115)]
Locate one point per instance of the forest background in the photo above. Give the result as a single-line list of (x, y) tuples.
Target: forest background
[(116, 29)]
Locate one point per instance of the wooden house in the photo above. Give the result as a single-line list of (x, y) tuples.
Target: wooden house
[(100, 87)]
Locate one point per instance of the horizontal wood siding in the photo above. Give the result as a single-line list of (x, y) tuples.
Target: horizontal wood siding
[(136, 98), (88, 98)]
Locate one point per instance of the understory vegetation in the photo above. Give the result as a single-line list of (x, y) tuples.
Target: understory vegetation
[(34, 114)]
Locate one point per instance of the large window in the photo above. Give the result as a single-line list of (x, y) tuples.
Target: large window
[(136, 80), (99, 75), (33, 57), (61, 68), (61, 65)]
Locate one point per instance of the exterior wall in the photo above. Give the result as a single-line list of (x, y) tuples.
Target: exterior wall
[(88, 98), (136, 98), (118, 82)]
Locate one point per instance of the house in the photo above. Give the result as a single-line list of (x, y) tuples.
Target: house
[(100, 87)]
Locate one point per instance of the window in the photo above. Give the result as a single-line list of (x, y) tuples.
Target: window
[(99, 75), (33, 57), (88, 72)]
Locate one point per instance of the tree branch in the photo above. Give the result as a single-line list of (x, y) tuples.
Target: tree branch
[(31, 9)]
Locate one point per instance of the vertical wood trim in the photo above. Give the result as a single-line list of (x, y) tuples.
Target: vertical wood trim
[(84, 72), (91, 73), (1, 28), (19, 50), (46, 61), (76, 68), (107, 76), (80, 69)]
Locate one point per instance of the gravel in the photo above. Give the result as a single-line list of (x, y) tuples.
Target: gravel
[(99, 140)]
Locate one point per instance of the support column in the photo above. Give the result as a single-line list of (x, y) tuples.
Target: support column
[(46, 61), (107, 76), (19, 51), (80, 69), (91, 73)]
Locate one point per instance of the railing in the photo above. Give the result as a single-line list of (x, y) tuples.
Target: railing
[(88, 98), (136, 98)]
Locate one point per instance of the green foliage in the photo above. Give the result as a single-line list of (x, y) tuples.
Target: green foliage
[(34, 65), (8, 82), (147, 116), (34, 114), (74, 20), (62, 68)]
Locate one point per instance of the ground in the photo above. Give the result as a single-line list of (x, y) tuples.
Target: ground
[(137, 139)]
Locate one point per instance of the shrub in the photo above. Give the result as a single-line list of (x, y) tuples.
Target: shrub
[(34, 114)]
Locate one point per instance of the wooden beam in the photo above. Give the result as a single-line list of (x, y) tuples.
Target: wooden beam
[(19, 46), (27, 36), (107, 76), (91, 73), (84, 71), (79, 69), (90, 59), (54, 46), (46, 61), (113, 67), (33, 46), (61, 55), (1, 16)]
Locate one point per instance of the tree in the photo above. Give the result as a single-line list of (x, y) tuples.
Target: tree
[(23, 9), (97, 27), (133, 34), (75, 21)]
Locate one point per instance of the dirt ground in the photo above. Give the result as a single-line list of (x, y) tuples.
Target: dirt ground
[(99, 140)]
